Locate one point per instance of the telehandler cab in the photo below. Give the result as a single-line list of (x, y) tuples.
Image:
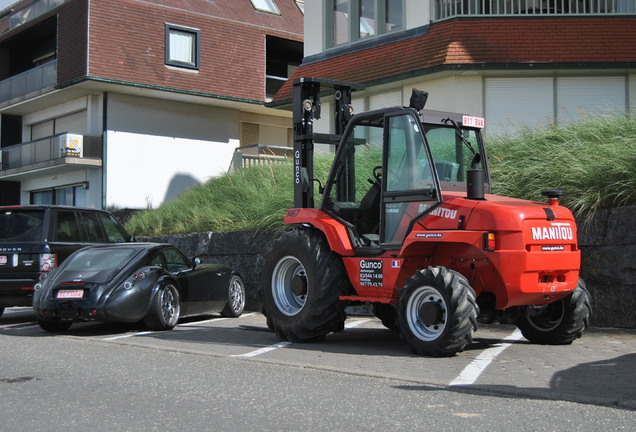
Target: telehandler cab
[(407, 223)]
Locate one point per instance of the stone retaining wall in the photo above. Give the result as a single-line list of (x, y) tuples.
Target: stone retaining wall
[(607, 242)]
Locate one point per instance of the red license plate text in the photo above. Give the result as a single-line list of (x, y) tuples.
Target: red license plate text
[(70, 294)]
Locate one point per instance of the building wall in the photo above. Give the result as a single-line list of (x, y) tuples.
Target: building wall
[(92, 178), (127, 43), (72, 40), (156, 149)]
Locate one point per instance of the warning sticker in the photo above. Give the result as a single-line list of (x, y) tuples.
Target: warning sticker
[(371, 273)]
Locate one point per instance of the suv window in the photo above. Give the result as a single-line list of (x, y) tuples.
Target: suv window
[(113, 230), (66, 227), (92, 227), (21, 225)]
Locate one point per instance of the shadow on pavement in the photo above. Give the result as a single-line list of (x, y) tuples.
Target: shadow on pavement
[(610, 382)]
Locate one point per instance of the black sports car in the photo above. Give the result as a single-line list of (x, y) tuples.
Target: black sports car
[(132, 282)]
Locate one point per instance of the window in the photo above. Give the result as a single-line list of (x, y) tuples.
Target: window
[(175, 261), (114, 231), (182, 47), (66, 195), (265, 6), (283, 57), (352, 20), (66, 227)]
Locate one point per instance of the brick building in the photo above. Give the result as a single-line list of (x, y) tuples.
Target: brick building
[(127, 103)]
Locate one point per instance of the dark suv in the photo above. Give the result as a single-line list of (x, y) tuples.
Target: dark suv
[(35, 239)]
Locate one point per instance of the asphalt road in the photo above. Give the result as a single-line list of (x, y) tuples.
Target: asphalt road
[(234, 375)]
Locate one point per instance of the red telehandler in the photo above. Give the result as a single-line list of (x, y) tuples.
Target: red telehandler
[(407, 223)]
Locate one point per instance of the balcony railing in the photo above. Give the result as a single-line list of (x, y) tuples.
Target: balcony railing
[(49, 149), (28, 13), (259, 154), (455, 8), (38, 78)]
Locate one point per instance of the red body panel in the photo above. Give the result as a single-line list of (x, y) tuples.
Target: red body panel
[(536, 258)]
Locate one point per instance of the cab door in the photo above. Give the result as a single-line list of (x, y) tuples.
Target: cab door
[(410, 186), (382, 178)]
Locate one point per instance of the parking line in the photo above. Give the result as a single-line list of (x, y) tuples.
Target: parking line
[(178, 325), (128, 335), (263, 350), (286, 343), (213, 320), (19, 327), (471, 373)]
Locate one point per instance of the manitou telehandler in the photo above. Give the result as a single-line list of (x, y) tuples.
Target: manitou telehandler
[(407, 223)]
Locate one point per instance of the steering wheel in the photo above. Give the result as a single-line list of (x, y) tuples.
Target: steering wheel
[(377, 173)]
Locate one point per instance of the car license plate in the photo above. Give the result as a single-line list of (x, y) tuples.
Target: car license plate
[(70, 294), (3, 259)]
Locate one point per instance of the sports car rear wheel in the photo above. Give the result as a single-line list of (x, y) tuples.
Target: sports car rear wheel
[(164, 308), (235, 298)]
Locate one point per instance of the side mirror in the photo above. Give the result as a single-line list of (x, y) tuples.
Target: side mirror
[(195, 262)]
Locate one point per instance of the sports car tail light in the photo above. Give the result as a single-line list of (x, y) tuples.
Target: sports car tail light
[(136, 277), (48, 262)]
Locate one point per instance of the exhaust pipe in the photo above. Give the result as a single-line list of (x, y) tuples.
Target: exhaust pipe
[(475, 183)]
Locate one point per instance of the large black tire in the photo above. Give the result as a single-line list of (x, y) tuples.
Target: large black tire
[(54, 326), (164, 310), (235, 298), (302, 281), (437, 312), (387, 314), (557, 323)]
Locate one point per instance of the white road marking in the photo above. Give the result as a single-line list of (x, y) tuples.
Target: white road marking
[(194, 323), (471, 373), (356, 323), (286, 343), (20, 327), (128, 335), (178, 325), (263, 350)]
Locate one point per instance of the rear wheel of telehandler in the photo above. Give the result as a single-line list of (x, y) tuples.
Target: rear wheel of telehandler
[(557, 323), (387, 314), (302, 282), (437, 312)]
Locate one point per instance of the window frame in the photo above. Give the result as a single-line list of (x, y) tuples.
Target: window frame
[(196, 33), (353, 22)]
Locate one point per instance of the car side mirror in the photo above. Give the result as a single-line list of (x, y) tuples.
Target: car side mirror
[(195, 262)]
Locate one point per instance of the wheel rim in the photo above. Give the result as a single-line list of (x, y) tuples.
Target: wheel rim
[(237, 297), (289, 285), (169, 307), (427, 313), (546, 318)]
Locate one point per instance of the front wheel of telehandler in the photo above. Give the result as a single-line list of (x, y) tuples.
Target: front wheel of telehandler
[(437, 312), (301, 284), (557, 323)]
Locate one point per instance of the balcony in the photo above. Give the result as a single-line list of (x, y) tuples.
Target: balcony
[(487, 8), (28, 13), (259, 154), (57, 152), (29, 82)]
